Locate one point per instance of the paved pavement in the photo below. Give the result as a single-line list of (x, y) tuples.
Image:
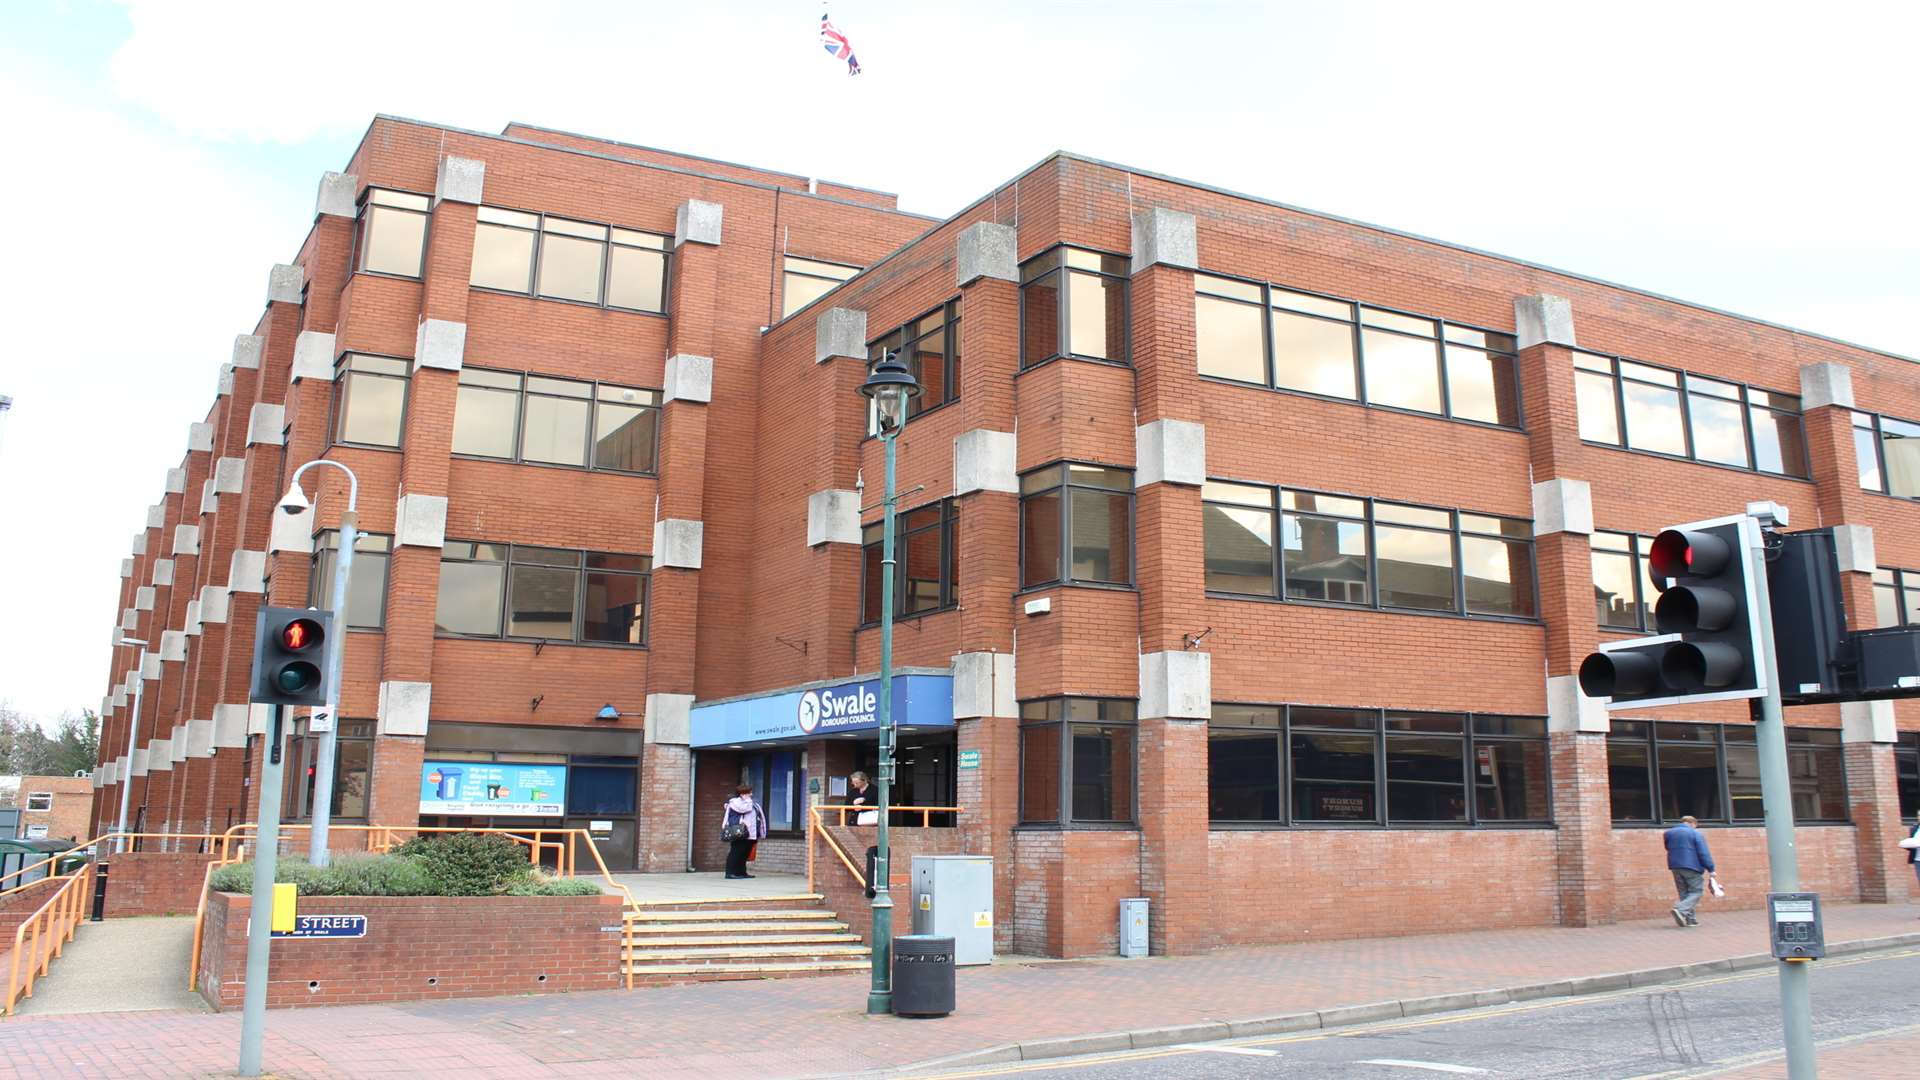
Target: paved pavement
[(816, 1027), (120, 965), (665, 888)]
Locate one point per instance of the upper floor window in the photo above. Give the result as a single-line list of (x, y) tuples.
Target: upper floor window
[(393, 232), (807, 280), (551, 594), (1076, 525), (1263, 334), (560, 259), (369, 400), (1077, 760), (1896, 597), (926, 559), (1624, 591), (1888, 453), (1073, 303), (38, 801), (366, 581), (1344, 550), (930, 346), (1624, 403), (549, 421), (1659, 772)]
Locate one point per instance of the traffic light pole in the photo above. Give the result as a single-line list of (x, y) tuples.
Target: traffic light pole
[(317, 852), (1776, 796), (253, 1015)]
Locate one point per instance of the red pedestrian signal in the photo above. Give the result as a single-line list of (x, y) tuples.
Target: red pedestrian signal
[(289, 656)]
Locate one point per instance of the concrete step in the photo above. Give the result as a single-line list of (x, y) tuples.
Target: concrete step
[(794, 915), (698, 903), (824, 926), (742, 953), (747, 970), (730, 937)]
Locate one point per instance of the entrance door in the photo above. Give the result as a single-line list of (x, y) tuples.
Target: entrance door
[(924, 772), (618, 848)]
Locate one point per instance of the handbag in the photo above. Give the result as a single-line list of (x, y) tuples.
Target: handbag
[(1713, 886), (733, 829)]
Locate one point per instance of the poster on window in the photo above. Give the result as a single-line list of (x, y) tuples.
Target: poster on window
[(493, 789)]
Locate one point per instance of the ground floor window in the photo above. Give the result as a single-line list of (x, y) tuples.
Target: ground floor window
[(352, 770), (1077, 761), (778, 778), (1906, 763), (1659, 772), (1297, 764)]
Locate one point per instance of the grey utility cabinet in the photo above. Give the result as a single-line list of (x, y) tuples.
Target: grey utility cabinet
[(953, 897)]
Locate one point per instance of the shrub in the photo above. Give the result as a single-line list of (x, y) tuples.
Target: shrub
[(467, 864), (542, 885), (238, 877), (372, 875)]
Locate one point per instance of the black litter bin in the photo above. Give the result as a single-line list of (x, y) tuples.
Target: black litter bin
[(922, 975)]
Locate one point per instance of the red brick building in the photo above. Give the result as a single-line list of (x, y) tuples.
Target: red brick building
[(1246, 558)]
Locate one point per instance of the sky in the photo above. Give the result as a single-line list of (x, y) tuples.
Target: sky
[(163, 154)]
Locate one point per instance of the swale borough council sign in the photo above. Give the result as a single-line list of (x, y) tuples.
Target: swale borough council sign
[(838, 707)]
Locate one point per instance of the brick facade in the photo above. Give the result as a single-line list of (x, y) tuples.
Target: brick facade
[(741, 603)]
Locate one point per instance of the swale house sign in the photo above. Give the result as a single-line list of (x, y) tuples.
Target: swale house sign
[(920, 700)]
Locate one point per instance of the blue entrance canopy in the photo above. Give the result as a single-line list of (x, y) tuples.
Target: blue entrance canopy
[(815, 712)]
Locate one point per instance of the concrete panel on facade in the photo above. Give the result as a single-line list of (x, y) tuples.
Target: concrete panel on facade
[(266, 424), (697, 222), (1543, 319), (1164, 237), (678, 543), (461, 180), (404, 707), (1170, 451), (840, 332), (420, 521), (985, 249), (337, 195), (984, 461), (669, 718), (247, 351), (313, 356), (688, 378), (833, 517), (1562, 506), (1826, 383), (163, 571), (286, 284), (440, 344)]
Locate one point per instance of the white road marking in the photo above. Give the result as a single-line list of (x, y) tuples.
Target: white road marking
[(1250, 1051), (1430, 1066)]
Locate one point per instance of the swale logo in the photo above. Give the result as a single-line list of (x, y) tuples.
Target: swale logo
[(809, 711)]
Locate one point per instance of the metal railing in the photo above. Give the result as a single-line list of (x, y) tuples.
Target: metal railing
[(818, 830), (92, 849), (44, 934)]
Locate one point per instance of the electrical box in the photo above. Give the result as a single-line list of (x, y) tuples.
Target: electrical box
[(1794, 927), (953, 898), (1133, 927)]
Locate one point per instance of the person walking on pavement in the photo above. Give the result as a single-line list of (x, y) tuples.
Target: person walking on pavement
[(1692, 865), (744, 826), (1912, 844)]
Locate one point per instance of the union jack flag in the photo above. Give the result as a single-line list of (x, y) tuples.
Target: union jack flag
[(837, 45)]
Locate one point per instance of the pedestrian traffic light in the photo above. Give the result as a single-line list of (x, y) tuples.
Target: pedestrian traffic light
[(1708, 646), (289, 656)]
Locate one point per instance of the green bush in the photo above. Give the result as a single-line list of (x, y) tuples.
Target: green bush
[(372, 875), (468, 864), (238, 877), (542, 885)]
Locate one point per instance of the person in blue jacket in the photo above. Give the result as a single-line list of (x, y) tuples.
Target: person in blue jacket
[(1692, 864)]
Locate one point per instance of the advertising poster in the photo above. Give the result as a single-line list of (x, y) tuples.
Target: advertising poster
[(498, 789)]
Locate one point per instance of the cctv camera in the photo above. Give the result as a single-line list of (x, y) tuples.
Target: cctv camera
[(294, 501)]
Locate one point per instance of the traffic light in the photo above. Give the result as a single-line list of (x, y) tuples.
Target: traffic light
[(1708, 646), (290, 656)]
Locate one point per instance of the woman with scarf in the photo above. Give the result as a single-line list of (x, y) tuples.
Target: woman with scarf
[(744, 826)]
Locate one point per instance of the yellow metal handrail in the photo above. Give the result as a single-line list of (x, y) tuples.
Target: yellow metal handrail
[(44, 934), (819, 829)]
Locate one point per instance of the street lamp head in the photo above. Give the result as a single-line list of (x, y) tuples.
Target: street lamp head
[(890, 385), (294, 501)]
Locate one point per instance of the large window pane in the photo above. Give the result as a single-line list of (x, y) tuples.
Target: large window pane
[(1426, 779), (395, 241), (1743, 779), (1818, 776), (1040, 773), (1689, 782), (1498, 576), (1718, 433), (1039, 319), (1227, 340), (1653, 418), (542, 601), (1326, 559), (799, 290), (1333, 777), (1906, 774), (570, 268), (1402, 372), (623, 436), (1313, 355), (1629, 782), (1243, 775), (1510, 780), (1866, 453), (1416, 568), (1040, 539), (1102, 536), (1103, 760), (366, 584), (1599, 414), (1096, 311), (469, 601), (1900, 450), (1779, 442), (1613, 596), (919, 561), (370, 408), (1482, 386), (616, 608), (485, 420), (637, 279), (1239, 543), (556, 430), (502, 258), (352, 773)]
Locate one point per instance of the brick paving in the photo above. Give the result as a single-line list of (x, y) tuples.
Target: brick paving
[(812, 1027)]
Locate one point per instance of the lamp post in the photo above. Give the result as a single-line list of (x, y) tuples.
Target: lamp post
[(294, 502), (133, 731), (890, 385)]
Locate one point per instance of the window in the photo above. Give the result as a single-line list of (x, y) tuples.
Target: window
[(1308, 765), (40, 801), (560, 259), (1076, 524), (1334, 348), (352, 770), (1336, 549), (1906, 769), (1888, 452), (1896, 597), (1073, 303), (926, 561), (1660, 772), (930, 347), (602, 786), (807, 280), (393, 232), (543, 420), (778, 782), (1077, 760), (1623, 588), (369, 400), (367, 585), (1624, 403), (542, 593)]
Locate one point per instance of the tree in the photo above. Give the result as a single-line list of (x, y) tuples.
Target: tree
[(25, 749), (76, 745)]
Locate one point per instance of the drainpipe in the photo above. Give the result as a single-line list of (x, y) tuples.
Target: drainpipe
[(693, 815)]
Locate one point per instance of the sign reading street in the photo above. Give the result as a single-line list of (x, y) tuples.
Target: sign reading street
[(325, 926)]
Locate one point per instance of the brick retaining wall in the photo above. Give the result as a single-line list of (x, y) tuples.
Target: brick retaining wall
[(154, 883)]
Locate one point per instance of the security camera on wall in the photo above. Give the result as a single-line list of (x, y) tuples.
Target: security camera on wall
[(294, 501)]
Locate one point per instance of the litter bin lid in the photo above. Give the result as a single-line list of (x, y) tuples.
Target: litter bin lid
[(922, 945)]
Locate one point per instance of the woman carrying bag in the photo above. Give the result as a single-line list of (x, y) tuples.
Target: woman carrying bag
[(744, 826), (1912, 844)]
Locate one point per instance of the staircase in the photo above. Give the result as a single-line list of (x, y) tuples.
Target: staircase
[(761, 937)]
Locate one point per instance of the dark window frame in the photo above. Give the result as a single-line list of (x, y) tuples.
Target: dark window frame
[(1900, 583), (1471, 739), (1065, 488), (1875, 423), (1053, 263), (363, 220), (1906, 772), (1639, 544), (581, 571), (948, 528), (607, 244), (594, 386), (1359, 327), (328, 540), (1369, 524), (343, 371), (787, 271), (1065, 723), (1685, 394), (1650, 740), (896, 340), (297, 801)]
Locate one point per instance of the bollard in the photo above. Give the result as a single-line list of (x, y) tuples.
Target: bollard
[(100, 891)]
